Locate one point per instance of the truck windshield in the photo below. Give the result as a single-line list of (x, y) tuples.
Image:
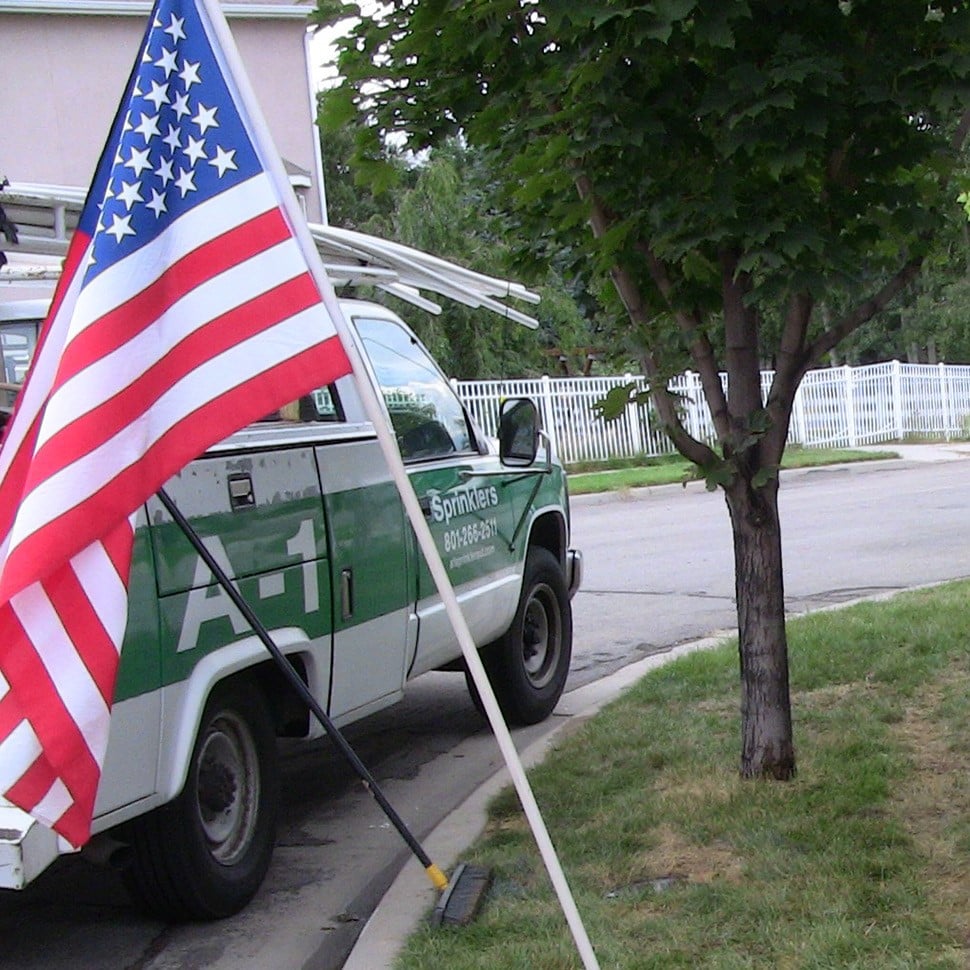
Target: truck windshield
[(427, 416)]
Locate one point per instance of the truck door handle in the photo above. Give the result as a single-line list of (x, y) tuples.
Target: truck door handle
[(425, 503), (241, 494), (346, 593)]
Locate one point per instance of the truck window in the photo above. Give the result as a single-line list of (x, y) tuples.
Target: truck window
[(427, 416), (319, 405)]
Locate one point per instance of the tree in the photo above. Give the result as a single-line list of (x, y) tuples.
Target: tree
[(445, 203), (740, 163), (352, 201)]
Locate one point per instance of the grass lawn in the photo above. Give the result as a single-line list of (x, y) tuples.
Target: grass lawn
[(635, 473), (675, 862)]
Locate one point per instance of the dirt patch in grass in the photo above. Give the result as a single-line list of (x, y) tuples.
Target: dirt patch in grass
[(674, 856), (933, 803), (828, 698), (679, 788)]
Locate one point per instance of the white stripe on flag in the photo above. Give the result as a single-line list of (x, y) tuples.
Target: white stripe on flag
[(201, 224), (31, 399), (71, 679), (19, 748), (54, 804), (104, 588), (43, 367)]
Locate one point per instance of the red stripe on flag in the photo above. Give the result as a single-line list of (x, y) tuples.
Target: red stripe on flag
[(75, 823), (11, 713), (77, 615), (89, 431), (186, 440), (12, 485), (12, 482), (33, 784), (118, 545), (213, 257), (61, 739), (60, 736), (75, 258)]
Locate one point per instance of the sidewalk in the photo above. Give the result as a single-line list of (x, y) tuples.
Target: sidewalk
[(942, 451)]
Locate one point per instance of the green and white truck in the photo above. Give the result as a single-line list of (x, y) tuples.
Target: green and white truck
[(300, 511)]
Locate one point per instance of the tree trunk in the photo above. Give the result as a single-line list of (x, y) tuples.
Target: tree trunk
[(767, 748)]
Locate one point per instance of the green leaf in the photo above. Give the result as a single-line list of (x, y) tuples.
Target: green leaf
[(615, 403), (697, 266), (666, 14), (338, 109), (763, 475), (719, 474), (376, 173), (715, 29)]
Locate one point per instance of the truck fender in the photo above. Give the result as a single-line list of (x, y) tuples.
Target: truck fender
[(547, 528), (183, 703)]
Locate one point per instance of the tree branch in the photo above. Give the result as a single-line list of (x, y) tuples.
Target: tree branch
[(792, 359), (863, 312), (960, 135), (790, 365), (701, 351), (740, 342), (632, 300), (666, 404)]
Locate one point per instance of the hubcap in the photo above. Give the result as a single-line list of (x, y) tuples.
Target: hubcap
[(227, 791), (541, 636)]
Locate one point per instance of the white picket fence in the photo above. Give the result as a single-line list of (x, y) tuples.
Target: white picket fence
[(839, 407)]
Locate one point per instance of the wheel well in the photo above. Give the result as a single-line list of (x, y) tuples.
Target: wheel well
[(549, 531), (291, 716)]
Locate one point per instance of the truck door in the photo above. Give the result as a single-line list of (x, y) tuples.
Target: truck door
[(375, 627), (471, 514), (256, 502)]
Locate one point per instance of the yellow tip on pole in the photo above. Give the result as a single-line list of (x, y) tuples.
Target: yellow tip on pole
[(437, 877)]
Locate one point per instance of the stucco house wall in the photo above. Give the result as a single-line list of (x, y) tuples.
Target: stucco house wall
[(64, 64)]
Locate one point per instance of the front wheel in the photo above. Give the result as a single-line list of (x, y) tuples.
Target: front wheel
[(527, 667), (204, 855)]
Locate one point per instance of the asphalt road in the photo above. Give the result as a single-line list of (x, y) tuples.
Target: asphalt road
[(658, 571), (660, 567)]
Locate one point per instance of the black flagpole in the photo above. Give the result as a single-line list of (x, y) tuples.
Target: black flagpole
[(435, 874)]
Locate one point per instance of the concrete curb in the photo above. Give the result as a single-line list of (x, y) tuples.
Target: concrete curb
[(410, 897)]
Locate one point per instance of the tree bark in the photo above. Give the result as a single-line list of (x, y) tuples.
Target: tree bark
[(767, 746)]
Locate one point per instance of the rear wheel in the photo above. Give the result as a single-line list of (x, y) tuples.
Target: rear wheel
[(527, 667), (204, 855)]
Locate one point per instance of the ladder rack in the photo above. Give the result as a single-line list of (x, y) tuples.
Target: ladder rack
[(45, 216)]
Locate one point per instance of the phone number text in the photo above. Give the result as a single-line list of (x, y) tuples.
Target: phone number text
[(470, 534)]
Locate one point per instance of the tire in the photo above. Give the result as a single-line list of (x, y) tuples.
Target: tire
[(203, 856), (527, 667)]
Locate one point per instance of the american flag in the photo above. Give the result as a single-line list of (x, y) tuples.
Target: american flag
[(186, 309)]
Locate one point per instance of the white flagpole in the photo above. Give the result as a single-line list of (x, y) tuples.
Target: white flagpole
[(392, 456)]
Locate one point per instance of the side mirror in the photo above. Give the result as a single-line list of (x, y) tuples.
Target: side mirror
[(518, 432)]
